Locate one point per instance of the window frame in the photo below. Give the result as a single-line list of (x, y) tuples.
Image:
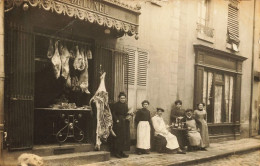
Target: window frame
[(210, 116), (210, 58)]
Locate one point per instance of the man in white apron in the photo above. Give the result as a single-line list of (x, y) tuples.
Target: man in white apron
[(161, 129)]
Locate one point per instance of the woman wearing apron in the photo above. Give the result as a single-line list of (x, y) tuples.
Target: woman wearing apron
[(143, 122)]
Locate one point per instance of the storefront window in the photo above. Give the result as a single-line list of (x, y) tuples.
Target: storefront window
[(218, 96)]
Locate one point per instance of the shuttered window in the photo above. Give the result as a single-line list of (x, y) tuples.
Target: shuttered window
[(136, 67), (142, 68), (130, 67), (233, 24)]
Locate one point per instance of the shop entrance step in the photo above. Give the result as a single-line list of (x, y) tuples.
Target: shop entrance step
[(48, 150), (74, 159)]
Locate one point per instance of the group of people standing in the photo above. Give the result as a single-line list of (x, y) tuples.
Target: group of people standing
[(145, 124)]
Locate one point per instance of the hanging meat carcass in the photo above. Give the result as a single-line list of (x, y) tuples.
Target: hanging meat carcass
[(50, 51), (84, 76), (75, 83), (68, 82), (56, 61), (89, 54), (65, 57), (79, 63), (104, 116)]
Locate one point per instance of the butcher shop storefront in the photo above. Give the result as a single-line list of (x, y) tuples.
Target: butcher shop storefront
[(55, 53)]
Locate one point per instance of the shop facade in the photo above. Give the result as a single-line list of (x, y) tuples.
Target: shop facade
[(35, 30)]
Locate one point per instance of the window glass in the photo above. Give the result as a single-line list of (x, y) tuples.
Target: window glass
[(218, 96), (203, 11), (217, 103)]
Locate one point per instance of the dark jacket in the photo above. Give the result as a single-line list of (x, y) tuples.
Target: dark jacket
[(142, 115), (175, 112), (122, 129)]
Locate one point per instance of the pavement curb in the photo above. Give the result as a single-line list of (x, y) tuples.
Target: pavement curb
[(218, 156)]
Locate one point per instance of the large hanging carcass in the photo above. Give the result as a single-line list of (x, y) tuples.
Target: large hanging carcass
[(104, 116)]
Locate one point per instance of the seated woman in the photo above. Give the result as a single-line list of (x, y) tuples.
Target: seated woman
[(194, 137), (161, 129)]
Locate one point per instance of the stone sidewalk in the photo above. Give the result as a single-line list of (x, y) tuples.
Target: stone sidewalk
[(215, 151)]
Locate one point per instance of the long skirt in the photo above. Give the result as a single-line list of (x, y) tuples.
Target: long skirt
[(194, 138), (143, 135), (172, 142)]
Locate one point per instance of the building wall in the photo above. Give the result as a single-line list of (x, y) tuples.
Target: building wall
[(159, 35), (218, 21), (169, 32), (256, 84)]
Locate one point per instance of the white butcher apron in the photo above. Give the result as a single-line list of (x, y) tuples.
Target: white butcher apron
[(172, 142), (143, 135)]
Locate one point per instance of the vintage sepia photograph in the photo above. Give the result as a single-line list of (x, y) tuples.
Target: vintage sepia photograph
[(129, 82)]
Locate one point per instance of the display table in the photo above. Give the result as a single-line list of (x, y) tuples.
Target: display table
[(62, 124), (181, 134)]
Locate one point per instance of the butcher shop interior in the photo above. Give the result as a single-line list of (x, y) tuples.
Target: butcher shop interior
[(62, 68)]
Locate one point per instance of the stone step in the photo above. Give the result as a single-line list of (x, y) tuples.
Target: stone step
[(74, 159), (48, 150)]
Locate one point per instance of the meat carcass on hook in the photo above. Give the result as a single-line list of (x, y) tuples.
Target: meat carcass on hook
[(104, 116), (84, 76), (50, 51), (79, 63), (56, 61), (65, 57)]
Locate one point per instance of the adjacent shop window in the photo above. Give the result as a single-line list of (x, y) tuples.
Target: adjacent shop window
[(233, 25), (218, 90), (136, 67)]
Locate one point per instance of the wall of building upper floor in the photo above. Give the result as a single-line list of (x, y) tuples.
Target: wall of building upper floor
[(169, 29)]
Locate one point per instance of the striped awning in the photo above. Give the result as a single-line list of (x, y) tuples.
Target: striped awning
[(109, 13)]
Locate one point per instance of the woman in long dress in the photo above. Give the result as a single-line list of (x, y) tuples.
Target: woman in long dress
[(143, 122), (200, 116), (121, 127)]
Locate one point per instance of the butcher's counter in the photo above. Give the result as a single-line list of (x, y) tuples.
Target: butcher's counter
[(59, 125)]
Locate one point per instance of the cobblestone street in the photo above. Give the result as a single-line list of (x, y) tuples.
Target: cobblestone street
[(249, 159), (219, 154)]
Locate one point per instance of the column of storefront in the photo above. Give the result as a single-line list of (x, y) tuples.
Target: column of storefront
[(2, 75)]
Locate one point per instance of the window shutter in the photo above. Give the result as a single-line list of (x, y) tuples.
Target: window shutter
[(233, 24), (130, 67), (142, 68)]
